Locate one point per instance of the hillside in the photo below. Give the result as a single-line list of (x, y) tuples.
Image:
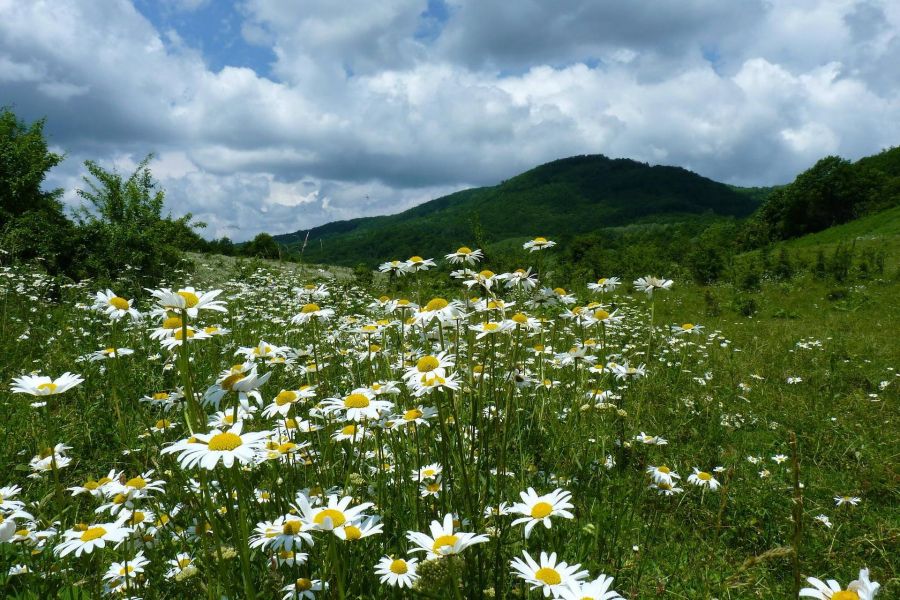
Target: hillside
[(562, 198)]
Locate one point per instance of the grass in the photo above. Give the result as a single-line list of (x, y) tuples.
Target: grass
[(520, 419)]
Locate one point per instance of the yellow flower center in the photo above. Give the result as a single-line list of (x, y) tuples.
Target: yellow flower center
[(179, 334), (427, 363), (664, 469), (436, 304), (845, 595), (92, 533), (541, 510), (560, 291), (464, 250), (704, 476), (520, 318), (163, 423), (486, 274), (285, 397), (292, 527), (548, 576), (539, 240), (416, 259), (356, 401), (172, 323), (601, 281), (88, 485), (687, 326), (137, 517), (190, 298), (119, 303), (444, 541), (223, 442), (228, 382), (211, 329), (601, 315), (491, 326), (183, 562), (161, 396), (433, 487), (47, 387), (119, 499), (336, 516), (126, 570), (412, 414), (352, 532), (398, 567), (349, 430), (309, 308), (303, 584), (137, 483)]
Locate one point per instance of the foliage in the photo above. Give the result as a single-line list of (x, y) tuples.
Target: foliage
[(262, 246)]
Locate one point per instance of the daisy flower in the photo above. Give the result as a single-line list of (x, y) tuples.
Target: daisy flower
[(662, 474), (303, 588), (177, 565), (464, 254), (332, 515), (650, 440), (83, 539), (394, 267), (443, 541), (397, 572), (597, 589), (548, 575), (288, 398), (538, 243), (687, 329), (284, 533), (858, 589), (115, 306), (416, 263), (129, 569), (703, 479), (188, 300), (109, 353), (851, 500), (604, 284), (207, 449), (359, 405), (418, 415), (312, 311), (648, 284), (351, 532), (39, 385), (539, 509), (487, 328)]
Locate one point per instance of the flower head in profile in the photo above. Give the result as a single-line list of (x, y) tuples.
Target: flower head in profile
[(443, 540), (597, 589), (394, 267), (538, 243), (312, 311), (703, 479), (115, 306), (414, 264), (859, 589), (188, 300), (604, 284), (83, 539), (650, 284), (207, 449), (303, 589), (550, 576), (39, 385), (336, 513), (464, 254)]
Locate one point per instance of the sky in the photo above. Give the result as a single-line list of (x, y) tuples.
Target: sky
[(279, 115)]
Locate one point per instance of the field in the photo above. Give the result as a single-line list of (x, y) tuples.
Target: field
[(305, 435)]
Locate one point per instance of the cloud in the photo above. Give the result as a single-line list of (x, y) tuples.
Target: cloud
[(370, 108)]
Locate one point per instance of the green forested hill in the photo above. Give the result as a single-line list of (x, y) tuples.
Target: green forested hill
[(565, 197)]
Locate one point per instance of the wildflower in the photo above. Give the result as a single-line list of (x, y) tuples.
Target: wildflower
[(353, 531), (179, 564), (490, 328), (359, 405), (38, 385), (550, 576), (288, 398), (662, 474), (394, 267), (397, 572), (49, 459), (303, 588), (779, 458), (188, 300), (858, 589), (538, 243), (650, 440), (109, 353), (416, 263), (703, 479), (539, 509), (332, 515), (824, 520), (443, 541), (312, 311), (115, 306), (418, 415), (126, 570), (207, 449), (794, 380), (464, 254), (851, 500), (84, 538), (284, 533), (648, 284), (597, 589), (604, 284), (687, 329), (520, 278)]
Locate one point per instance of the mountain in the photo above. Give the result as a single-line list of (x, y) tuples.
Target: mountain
[(559, 199)]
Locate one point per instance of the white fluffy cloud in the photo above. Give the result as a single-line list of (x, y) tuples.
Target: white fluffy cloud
[(373, 107)]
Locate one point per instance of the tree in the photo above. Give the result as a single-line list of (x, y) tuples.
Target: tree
[(262, 246), (128, 233)]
